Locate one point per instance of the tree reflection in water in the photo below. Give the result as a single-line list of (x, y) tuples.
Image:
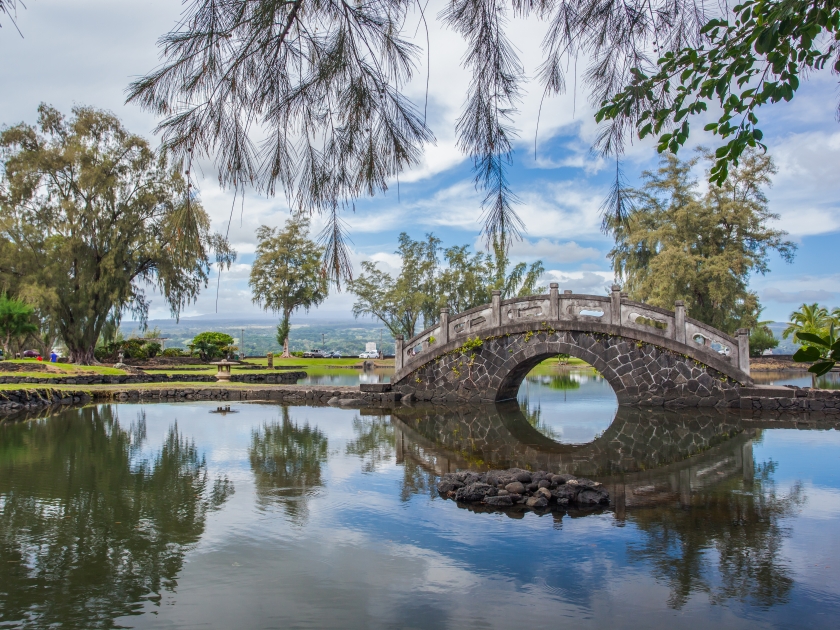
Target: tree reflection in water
[(375, 444), (533, 414), (726, 542), (88, 531), (710, 520), (286, 459)]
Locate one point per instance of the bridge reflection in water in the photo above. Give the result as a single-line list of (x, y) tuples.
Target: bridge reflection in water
[(645, 457)]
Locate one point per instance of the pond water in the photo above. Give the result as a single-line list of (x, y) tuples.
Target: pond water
[(354, 376), (170, 516), (350, 376)]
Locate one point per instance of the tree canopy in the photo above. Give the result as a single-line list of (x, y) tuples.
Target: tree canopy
[(753, 56), (16, 323), (424, 285), (211, 345), (90, 217), (811, 318), (677, 244), (288, 272)]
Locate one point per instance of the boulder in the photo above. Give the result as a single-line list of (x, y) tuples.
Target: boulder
[(583, 483), (537, 502), (592, 497), (566, 492), (523, 477), (515, 488), (499, 501), (474, 492), (445, 486)]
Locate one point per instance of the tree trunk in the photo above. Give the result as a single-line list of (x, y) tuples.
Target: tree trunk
[(82, 356), (286, 354)]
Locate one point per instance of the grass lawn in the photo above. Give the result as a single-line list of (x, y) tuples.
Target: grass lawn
[(59, 370), (551, 366), (303, 363), (313, 367)]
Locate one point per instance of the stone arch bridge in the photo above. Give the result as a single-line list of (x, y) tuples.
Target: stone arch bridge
[(650, 356)]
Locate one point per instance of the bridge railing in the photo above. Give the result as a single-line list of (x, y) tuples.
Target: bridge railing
[(615, 309)]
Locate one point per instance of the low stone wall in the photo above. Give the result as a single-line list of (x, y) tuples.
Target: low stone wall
[(338, 396), (791, 399), (280, 378), (16, 400), (790, 402), (23, 399)]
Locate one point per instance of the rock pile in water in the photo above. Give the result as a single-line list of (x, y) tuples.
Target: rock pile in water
[(537, 490)]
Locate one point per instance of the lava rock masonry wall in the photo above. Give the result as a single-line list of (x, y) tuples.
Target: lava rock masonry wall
[(640, 373), (139, 379)]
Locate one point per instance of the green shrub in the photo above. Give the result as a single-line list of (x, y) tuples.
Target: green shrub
[(134, 349), (173, 352), (211, 345), (761, 339), (103, 354)]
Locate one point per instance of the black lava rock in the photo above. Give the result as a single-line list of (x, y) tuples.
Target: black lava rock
[(501, 489)]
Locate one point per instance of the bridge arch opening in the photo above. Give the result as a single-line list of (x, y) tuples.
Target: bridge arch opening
[(567, 400)]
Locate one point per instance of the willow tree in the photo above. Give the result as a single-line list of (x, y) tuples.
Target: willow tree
[(90, 217), (288, 273)]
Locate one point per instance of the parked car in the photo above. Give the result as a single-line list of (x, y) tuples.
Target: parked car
[(30, 354), (317, 354), (369, 355), (335, 355)]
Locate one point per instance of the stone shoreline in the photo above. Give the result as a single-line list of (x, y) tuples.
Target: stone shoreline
[(789, 401), (15, 400), (140, 379)]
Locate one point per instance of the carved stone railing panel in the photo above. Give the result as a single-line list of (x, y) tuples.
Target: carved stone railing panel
[(535, 308), (591, 308), (645, 318), (710, 340), (421, 344), (471, 322)]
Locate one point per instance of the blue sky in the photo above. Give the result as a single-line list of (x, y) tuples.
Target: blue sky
[(87, 51)]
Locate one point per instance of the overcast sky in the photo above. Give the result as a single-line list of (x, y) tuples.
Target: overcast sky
[(87, 51)]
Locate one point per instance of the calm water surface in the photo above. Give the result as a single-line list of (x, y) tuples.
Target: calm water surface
[(169, 516)]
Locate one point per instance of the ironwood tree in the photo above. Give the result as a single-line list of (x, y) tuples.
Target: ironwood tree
[(288, 274), (309, 97), (91, 217), (425, 283), (679, 244)]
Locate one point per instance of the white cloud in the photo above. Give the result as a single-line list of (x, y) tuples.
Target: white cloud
[(389, 262), (588, 282), (553, 251), (806, 190), (798, 297), (780, 292)]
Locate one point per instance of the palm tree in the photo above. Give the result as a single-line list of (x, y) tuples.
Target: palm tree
[(810, 318)]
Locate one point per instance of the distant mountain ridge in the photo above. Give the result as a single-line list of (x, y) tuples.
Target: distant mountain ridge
[(347, 336)]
